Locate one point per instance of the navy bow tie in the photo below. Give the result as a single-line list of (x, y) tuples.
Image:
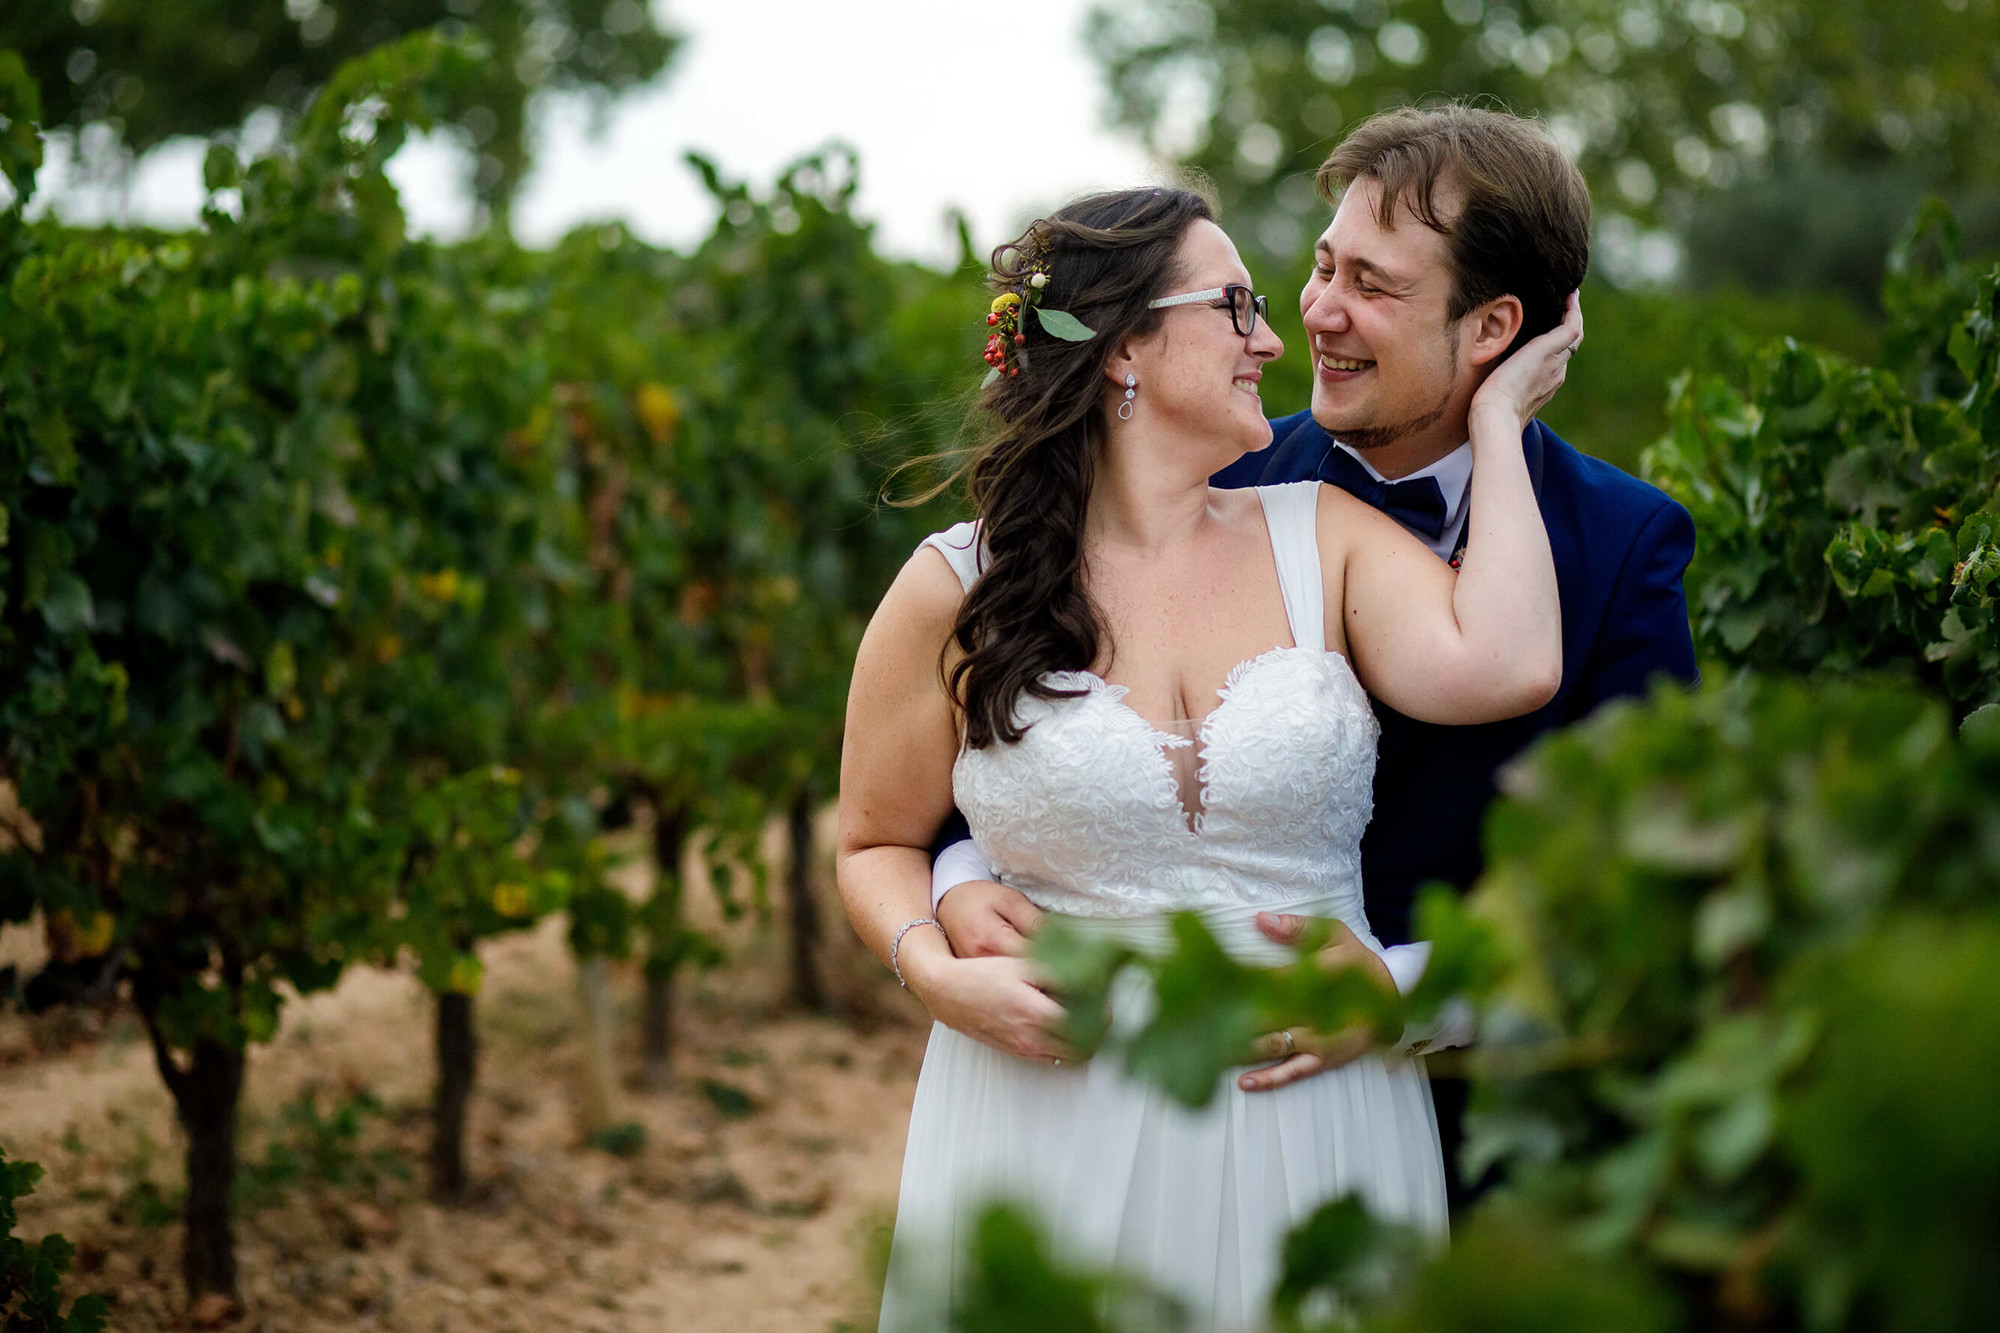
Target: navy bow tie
[(1418, 504)]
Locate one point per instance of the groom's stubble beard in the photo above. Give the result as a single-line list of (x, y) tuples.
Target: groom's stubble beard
[(1363, 438)]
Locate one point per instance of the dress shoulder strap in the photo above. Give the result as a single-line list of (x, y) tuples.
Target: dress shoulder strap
[(1291, 512), (963, 548)]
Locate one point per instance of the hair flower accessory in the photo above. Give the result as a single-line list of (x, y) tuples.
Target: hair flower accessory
[(1006, 346)]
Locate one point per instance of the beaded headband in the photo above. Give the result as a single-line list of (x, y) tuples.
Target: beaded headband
[(1006, 346)]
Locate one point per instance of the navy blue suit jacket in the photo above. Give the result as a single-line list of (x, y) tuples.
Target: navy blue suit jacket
[(1620, 548)]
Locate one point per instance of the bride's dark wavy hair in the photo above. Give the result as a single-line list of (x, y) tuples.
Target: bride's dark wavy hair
[(1106, 256)]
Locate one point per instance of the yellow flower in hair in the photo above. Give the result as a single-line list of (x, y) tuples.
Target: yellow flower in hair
[(1004, 300)]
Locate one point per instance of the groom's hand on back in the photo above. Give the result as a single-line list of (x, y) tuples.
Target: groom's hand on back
[(986, 919)]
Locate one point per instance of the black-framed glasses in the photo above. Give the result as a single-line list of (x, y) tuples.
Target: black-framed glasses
[(1245, 306)]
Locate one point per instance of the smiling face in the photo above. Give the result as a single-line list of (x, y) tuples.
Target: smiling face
[(1389, 367), (1196, 374)]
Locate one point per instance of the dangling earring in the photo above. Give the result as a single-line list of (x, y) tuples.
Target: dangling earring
[(1131, 392)]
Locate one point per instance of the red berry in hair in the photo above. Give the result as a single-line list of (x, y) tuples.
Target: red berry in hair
[(1020, 338), (993, 319)]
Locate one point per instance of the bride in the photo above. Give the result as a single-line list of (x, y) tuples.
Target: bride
[(1147, 696)]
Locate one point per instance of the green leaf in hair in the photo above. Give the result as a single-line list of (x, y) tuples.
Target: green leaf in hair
[(1064, 325)]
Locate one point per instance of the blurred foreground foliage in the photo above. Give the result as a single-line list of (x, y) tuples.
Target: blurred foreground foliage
[(351, 585)]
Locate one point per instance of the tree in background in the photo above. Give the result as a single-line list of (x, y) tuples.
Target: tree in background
[(1662, 102), (711, 405), (1846, 512), (140, 73), (455, 546), (1687, 120), (828, 371), (238, 561)]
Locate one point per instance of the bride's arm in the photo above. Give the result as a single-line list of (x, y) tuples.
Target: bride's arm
[(1485, 644), (895, 790), (1479, 646)]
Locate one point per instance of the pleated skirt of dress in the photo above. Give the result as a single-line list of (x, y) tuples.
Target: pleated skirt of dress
[(1119, 1174)]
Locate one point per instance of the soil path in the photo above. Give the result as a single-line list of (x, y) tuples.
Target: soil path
[(760, 1199)]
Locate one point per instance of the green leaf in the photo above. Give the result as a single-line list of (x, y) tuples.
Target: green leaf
[(55, 454), (1731, 1142), (281, 671), (1062, 324), (991, 376), (20, 133), (1982, 727), (67, 605), (1344, 1252), (221, 169)]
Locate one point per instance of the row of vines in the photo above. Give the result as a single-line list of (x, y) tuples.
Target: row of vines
[(351, 585)]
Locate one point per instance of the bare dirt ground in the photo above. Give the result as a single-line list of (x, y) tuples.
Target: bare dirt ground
[(760, 1200)]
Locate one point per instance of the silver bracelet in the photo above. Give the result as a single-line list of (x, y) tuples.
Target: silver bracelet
[(896, 944)]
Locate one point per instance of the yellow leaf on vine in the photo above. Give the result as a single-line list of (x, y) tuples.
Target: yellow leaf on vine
[(659, 412), (466, 974), (441, 586)]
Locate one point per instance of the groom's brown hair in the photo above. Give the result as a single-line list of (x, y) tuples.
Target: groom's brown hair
[(1523, 226)]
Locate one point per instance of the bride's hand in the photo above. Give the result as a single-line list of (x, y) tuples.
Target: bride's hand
[(1522, 385), (995, 1001)]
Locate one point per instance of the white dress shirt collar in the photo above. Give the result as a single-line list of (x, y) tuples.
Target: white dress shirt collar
[(1453, 474)]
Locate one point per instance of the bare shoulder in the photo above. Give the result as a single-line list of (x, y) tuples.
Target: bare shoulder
[(1344, 521), (921, 606)]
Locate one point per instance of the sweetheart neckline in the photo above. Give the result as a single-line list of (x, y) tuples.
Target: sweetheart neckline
[(1116, 693), (1099, 687)]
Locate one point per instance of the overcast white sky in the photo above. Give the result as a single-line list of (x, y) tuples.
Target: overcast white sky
[(943, 103)]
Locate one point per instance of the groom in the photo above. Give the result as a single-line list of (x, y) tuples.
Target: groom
[(1439, 212)]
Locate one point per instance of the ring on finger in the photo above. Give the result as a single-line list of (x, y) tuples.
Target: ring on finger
[(1291, 1043)]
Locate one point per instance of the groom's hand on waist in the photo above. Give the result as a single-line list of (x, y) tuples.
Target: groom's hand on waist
[(1300, 1053), (985, 919)]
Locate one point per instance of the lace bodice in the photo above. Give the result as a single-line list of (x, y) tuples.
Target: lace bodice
[(1083, 816)]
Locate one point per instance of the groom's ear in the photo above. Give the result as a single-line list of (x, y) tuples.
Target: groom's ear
[(1493, 326)]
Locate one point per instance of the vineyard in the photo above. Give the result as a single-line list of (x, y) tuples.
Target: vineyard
[(422, 668), (358, 589)]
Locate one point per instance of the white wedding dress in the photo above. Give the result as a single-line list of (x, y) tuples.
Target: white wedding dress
[(1083, 815)]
